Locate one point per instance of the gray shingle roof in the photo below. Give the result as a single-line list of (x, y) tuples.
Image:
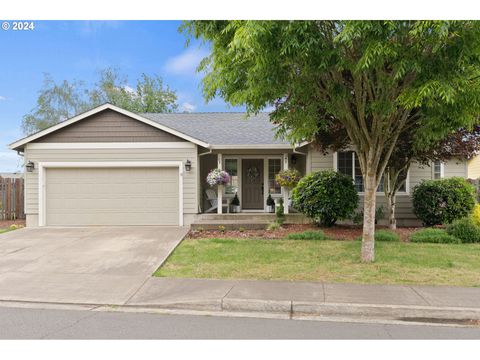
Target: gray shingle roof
[(221, 128)]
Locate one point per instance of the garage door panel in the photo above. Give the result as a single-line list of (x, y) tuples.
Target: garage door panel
[(112, 196)]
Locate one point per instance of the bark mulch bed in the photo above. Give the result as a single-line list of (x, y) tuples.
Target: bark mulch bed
[(338, 232)]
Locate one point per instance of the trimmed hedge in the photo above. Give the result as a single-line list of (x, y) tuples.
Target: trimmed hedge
[(431, 235), (465, 230), (443, 201), (325, 197)]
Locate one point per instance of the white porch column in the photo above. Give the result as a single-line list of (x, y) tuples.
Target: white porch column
[(285, 190), (220, 187)]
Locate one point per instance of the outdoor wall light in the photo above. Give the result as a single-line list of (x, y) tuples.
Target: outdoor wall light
[(188, 165), (30, 166)]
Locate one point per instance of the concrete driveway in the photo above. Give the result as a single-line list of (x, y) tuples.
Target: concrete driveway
[(94, 265)]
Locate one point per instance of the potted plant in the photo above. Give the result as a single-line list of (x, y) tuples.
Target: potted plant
[(235, 204), (288, 179), (270, 204), (218, 177)]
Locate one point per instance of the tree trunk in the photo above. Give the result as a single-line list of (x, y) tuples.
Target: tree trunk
[(392, 221), (368, 238)]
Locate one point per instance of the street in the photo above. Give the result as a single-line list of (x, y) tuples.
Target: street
[(25, 323)]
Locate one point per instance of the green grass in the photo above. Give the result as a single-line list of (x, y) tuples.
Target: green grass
[(432, 235), (386, 235), (328, 260), (4, 230), (307, 235)]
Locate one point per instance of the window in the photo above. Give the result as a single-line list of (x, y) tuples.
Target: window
[(348, 164), (231, 167), (274, 167), (438, 170)]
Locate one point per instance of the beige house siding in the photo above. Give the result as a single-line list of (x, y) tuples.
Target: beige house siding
[(417, 173), (190, 190), (108, 126), (474, 167)]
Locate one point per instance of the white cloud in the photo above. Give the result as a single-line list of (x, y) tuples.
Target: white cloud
[(187, 107), (186, 63), (130, 90), (2, 98)]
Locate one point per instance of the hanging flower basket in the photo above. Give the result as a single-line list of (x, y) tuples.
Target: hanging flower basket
[(218, 177), (288, 178)]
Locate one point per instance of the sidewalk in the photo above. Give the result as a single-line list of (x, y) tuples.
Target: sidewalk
[(309, 298)]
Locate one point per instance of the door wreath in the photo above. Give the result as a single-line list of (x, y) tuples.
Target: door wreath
[(252, 174)]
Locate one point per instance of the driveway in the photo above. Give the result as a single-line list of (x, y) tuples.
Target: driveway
[(94, 265)]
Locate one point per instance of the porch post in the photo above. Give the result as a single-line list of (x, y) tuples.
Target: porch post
[(219, 187), (285, 190)]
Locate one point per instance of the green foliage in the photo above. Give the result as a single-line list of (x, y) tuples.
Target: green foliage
[(307, 235), (476, 214), (274, 225), (386, 235), (59, 101), (279, 212), (465, 230), (235, 201), (325, 196), (270, 201), (432, 235), (443, 201)]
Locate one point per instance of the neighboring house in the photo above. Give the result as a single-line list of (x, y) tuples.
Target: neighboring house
[(109, 166), (473, 165)]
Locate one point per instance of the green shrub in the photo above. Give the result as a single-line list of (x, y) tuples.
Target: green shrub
[(307, 235), (357, 217), (443, 201), (274, 225), (431, 235), (279, 212), (465, 230), (325, 197), (386, 235)]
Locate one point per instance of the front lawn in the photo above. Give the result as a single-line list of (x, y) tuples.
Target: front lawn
[(325, 260)]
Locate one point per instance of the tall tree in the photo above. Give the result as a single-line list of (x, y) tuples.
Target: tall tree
[(58, 102), (371, 77)]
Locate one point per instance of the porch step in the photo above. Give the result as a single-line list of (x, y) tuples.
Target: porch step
[(294, 218), (230, 224)]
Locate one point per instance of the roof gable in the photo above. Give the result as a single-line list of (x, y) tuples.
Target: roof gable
[(18, 145)]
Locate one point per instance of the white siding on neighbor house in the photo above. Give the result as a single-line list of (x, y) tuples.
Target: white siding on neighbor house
[(474, 167), (417, 173), (190, 190)]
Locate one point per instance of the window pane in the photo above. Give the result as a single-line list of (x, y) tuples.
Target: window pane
[(358, 175), (274, 167), (381, 185), (437, 170), (231, 166), (401, 177), (344, 163)]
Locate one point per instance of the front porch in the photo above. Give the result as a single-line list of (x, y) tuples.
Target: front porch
[(252, 179)]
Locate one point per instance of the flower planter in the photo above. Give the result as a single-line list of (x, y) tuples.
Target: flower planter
[(235, 208), (270, 209)]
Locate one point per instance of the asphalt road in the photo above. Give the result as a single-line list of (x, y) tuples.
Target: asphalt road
[(23, 323)]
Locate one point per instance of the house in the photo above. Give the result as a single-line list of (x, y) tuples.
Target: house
[(473, 167), (109, 166)]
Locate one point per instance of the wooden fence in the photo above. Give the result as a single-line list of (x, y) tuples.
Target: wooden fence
[(11, 199)]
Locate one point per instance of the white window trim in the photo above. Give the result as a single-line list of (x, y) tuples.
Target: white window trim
[(265, 159), (379, 193), (43, 166), (442, 170)]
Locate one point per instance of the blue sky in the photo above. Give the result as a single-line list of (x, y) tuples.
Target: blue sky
[(78, 50)]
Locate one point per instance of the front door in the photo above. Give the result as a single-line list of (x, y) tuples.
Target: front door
[(252, 184)]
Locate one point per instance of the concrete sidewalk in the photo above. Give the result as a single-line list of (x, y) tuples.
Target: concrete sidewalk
[(310, 298)]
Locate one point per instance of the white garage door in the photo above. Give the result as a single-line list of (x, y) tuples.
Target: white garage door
[(111, 196)]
